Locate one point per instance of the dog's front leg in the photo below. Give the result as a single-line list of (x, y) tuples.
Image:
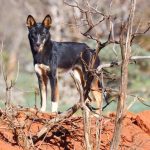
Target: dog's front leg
[(42, 80), (54, 92)]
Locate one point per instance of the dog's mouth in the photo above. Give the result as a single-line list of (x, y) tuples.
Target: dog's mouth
[(39, 48)]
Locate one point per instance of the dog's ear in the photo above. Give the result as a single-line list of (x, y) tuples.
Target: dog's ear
[(30, 22), (47, 21)]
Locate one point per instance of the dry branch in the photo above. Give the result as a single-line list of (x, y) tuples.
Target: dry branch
[(114, 64), (126, 52), (140, 33)]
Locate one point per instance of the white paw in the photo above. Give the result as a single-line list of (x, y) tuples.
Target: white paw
[(54, 106), (43, 109)]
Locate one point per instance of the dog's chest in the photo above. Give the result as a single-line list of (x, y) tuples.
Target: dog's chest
[(42, 69)]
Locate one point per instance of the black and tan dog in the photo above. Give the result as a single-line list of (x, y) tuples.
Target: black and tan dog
[(50, 56)]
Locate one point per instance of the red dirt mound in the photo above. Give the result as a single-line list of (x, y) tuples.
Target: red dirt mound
[(17, 126)]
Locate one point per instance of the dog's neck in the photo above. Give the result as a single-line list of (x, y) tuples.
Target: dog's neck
[(47, 46)]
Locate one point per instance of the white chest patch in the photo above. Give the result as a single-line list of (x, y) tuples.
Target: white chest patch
[(40, 68)]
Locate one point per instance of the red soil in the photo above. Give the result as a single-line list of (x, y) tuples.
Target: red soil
[(69, 134)]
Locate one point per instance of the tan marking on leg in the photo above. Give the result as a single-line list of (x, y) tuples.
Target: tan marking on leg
[(79, 75), (37, 69), (44, 67), (97, 93), (44, 89), (41, 68)]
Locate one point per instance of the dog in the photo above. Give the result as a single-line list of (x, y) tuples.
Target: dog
[(50, 56)]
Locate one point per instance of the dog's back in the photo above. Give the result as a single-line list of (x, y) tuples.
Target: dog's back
[(68, 54)]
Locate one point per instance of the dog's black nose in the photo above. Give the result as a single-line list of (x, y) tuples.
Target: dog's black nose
[(38, 44)]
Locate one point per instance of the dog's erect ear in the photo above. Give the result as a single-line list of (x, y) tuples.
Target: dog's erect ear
[(47, 21), (30, 22)]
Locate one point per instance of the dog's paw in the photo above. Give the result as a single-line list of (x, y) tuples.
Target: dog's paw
[(43, 109), (54, 107)]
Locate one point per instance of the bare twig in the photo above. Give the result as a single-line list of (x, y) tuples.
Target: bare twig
[(114, 64), (140, 33), (132, 103), (87, 12), (140, 99)]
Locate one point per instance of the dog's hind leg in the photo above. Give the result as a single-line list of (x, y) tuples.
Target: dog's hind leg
[(78, 74), (97, 93), (54, 93)]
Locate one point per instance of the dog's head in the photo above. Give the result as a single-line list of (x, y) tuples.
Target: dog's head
[(38, 32)]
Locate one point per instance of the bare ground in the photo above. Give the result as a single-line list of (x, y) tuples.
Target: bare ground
[(68, 134)]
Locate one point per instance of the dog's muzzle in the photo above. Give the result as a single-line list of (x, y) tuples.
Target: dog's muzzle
[(39, 46)]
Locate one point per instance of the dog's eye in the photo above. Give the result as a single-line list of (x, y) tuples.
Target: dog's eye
[(32, 35)]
